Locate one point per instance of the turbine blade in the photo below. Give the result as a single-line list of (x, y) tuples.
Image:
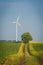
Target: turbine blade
[(19, 24), (13, 22), (17, 18)]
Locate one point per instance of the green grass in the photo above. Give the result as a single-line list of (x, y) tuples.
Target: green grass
[(8, 48), (38, 47), (37, 50), (11, 47)]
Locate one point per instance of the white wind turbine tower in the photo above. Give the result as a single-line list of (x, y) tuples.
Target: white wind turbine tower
[(17, 24)]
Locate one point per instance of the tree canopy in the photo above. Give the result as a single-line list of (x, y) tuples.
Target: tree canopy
[(26, 37)]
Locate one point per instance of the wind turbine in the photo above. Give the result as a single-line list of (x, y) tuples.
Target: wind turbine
[(17, 24)]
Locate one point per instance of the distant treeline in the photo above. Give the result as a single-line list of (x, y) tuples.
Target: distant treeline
[(13, 41)]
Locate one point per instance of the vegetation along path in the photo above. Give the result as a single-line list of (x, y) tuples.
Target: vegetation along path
[(20, 58)]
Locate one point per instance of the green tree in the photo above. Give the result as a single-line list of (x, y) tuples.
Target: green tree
[(26, 37)]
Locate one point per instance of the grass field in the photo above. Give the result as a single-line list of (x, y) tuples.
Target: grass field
[(12, 51), (8, 48)]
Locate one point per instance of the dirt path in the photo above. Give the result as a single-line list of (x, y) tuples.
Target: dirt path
[(22, 61), (22, 58), (40, 61)]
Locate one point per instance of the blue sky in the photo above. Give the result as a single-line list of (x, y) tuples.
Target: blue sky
[(31, 18)]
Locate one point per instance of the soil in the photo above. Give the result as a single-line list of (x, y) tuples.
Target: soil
[(40, 61)]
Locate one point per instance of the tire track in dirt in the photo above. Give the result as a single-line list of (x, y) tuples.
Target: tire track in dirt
[(22, 59), (40, 61)]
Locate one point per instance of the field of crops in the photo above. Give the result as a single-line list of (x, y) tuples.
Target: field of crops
[(36, 48), (10, 49)]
